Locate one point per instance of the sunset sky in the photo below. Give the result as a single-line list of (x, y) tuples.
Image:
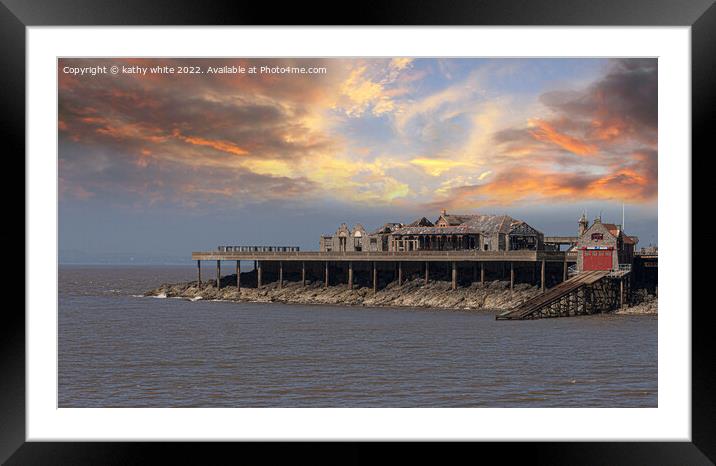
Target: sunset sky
[(152, 167)]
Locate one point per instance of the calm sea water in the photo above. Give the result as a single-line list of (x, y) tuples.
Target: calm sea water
[(117, 350)]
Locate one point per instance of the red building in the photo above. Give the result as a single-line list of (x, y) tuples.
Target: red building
[(603, 246)]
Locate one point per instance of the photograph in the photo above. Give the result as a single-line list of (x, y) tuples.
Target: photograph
[(357, 232), (437, 224)]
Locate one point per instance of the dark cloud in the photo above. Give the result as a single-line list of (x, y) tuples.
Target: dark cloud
[(130, 111), (622, 104), (512, 135), (117, 179), (184, 139)]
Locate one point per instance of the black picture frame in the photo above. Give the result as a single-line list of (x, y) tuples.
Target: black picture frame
[(17, 15)]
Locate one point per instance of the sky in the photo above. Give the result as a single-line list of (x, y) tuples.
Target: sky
[(155, 165)]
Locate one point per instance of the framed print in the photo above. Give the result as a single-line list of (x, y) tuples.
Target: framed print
[(291, 231)]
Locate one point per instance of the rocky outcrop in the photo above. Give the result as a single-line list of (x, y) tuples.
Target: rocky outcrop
[(644, 304), (493, 295)]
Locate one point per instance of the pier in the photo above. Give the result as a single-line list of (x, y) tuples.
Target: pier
[(535, 267), (591, 272)]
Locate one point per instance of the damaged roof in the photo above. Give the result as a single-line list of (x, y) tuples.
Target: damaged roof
[(421, 222), (457, 219), (387, 228), (493, 223), (471, 224), (456, 230)]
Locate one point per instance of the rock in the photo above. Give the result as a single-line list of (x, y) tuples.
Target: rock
[(644, 304), (492, 296), (414, 293)]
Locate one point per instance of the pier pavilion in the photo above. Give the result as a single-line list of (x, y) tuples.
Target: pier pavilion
[(449, 232)]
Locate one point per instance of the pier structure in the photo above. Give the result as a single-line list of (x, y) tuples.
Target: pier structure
[(543, 268)]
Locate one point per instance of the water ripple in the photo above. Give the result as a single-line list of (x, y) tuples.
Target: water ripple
[(117, 350)]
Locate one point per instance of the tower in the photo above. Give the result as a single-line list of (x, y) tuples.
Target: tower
[(583, 224)]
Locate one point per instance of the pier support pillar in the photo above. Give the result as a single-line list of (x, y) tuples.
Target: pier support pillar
[(238, 276), (621, 293), (198, 270), (325, 284), (303, 273), (427, 272), (350, 275), (564, 269), (542, 276), (533, 273), (280, 275), (259, 268), (218, 274), (454, 275), (375, 278), (400, 273), (512, 276), (482, 273)]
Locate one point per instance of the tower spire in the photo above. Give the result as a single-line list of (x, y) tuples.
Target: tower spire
[(583, 224)]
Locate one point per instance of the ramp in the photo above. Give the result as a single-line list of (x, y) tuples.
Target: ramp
[(575, 296)]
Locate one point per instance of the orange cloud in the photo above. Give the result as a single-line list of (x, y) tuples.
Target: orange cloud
[(516, 185), (545, 132), (223, 146), (607, 130), (133, 131)]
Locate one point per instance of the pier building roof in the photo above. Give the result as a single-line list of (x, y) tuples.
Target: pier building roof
[(459, 219), (456, 230), (421, 222), (493, 223), (616, 229), (387, 228), (469, 224)]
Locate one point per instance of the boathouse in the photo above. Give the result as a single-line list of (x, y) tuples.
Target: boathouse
[(604, 246)]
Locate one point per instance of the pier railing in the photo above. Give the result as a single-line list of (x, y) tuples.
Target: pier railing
[(258, 249)]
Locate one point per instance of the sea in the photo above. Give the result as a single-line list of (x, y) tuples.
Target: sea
[(120, 349)]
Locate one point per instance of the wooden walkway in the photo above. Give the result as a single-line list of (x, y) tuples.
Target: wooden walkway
[(567, 298)]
